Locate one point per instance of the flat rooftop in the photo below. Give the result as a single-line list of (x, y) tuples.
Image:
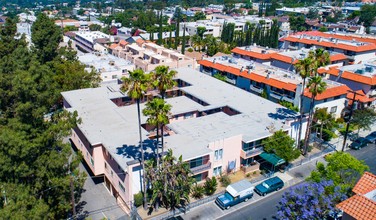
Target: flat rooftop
[(117, 127), (364, 69), (91, 35), (103, 62)]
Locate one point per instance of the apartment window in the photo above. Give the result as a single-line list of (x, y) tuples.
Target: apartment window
[(217, 171), (91, 161), (87, 154), (105, 165), (121, 187), (188, 115), (218, 154), (112, 173), (333, 109)]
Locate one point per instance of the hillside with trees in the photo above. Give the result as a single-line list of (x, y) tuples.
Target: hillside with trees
[(38, 172)]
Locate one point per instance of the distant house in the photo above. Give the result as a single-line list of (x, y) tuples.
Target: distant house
[(2, 20), (362, 205)]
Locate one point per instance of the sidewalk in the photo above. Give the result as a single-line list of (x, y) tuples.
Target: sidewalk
[(292, 177)]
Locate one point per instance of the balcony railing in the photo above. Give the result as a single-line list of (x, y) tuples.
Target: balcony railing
[(288, 99), (201, 168), (255, 89), (232, 81), (251, 153), (275, 95)]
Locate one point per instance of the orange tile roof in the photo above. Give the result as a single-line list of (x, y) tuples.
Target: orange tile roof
[(337, 57), (252, 54), (283, 58), (341, 46), (123, 42), (338, 36), (359, 207), (366, 184), (329, 92), (113, 46), (252, 76), (353, 76), (360, 97)]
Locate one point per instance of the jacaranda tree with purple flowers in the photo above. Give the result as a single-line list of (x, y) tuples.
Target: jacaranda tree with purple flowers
[(310, 200)]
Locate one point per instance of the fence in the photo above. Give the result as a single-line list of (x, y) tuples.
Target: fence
[(188, 207)]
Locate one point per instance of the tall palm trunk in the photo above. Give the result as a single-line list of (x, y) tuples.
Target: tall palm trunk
[(157, 145), (142, 153), (162, 125), (301, 113), (308, 131)]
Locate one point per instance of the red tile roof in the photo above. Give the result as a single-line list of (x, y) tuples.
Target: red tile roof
[(360, 97), (283, 58), (337, 57), (252, 54), (252, 76), (366, 184), (353, 76), (329, 92), (359, 207), (341, 46), (338, 36)]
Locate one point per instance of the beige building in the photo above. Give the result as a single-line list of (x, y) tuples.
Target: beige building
[(147, 56)]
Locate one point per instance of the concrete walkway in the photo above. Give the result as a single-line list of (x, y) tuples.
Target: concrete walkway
[(292, 177)]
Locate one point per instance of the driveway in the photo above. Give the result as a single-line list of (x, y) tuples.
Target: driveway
[(96, 202)]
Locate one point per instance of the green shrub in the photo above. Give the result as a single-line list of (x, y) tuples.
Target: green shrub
[(210, 186), (327, 135), (340, 120), (254, 172), (197, 191), (248, 175), (190, 50), (138, 199), (225, 180), (289, 105)]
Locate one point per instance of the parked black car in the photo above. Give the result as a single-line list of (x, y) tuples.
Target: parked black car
[(372, 137), (359, 143)]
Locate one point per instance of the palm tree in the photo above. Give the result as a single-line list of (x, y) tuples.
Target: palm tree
[(196, 42), (163, 81), (308, 68), (136, 86), (316, 86), (303, 67), (158, 112)]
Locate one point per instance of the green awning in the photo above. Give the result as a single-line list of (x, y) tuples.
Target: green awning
[(272, 158)]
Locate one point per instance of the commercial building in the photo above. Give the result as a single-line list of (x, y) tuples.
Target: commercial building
[(358, 49), (275, 83), (108, 66), (147, 56), (86, 40), (215, 127)]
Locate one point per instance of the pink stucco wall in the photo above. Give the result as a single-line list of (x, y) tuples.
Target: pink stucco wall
[(231, 151)]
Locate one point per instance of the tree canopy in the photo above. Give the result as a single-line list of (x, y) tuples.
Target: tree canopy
[(309, 200), (342, 168), (35, 164), (282, 145), (364, 118)]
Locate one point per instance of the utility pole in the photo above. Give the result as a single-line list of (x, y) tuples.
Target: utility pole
[(348, 121)]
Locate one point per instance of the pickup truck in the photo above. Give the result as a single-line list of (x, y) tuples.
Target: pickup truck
[(235, 193)]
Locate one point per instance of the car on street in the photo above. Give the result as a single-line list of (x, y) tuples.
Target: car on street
[(352, 136), (235, 193), (372, 137), (269, 185), (359, 143)]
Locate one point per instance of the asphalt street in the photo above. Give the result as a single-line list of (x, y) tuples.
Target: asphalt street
[(265, 209)]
